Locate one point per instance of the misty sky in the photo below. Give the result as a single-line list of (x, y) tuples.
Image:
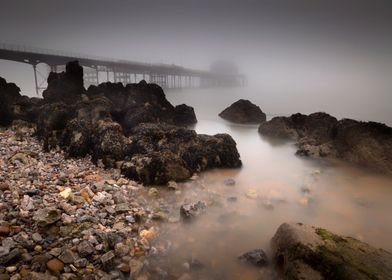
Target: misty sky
[(342, 48)]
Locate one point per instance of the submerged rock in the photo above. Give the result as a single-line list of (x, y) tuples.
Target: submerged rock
[(243, 111), (255, 257), (305, 252)]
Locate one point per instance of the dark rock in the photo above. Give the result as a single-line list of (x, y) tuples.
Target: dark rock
[(184, 115), (68, 256), (156, 168), (229, 182), (12, 256), (305, 252), (65, 87), (192, 210), (107, 260), (9, 94), (365, 144), (85, 248), (255, 257), (243, 111)]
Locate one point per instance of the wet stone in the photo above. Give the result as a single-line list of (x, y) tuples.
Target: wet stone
[(192, 210), (255, 257)]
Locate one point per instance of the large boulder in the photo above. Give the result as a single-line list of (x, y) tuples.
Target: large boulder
[(243, 111), (306, 252), (67, 86)]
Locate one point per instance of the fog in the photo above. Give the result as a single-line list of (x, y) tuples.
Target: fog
[(303, 56)]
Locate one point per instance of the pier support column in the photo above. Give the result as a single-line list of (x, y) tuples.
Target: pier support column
[(36, 80)]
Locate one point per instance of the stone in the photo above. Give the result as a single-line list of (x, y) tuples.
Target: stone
[(252, 194), (85, 248), (121, 249), (306, 252), (192, 210), (153, 192), (136, 267), (55, 265), (66, 193), (27, 203), (148, 234), (229, 182), (12, 256), (47, 216), (243, 111), (68, 256), (121, 208), (107, 260), (11, 269), (255, 257), (36, 237), (5, 230)]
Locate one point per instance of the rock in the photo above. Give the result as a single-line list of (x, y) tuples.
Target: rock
[(67, 256), (252, 194), (40, 276), (153, 192), (255, 257), (85, 248), (11, 269), (27, 203), (366, 144), (66, 193), (136, 267), (55, 265), (47, 216), (36, 237), (122, 208), (12, 256), (156, 168), (305, 252), (192, 210), (148, 234), (121, 249), (107, 260), (229, 182), (5, 230), (184, 115), (243, 111), (65, 87)]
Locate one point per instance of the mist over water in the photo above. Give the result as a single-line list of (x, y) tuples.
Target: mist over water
[(345, 199)]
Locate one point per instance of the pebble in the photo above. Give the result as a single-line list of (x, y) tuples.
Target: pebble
[(55, 265)]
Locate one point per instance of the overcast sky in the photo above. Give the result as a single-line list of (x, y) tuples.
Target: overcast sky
[(336, 46)]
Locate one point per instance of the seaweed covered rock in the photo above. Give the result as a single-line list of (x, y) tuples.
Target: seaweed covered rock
[(305, 252), (197, 152), (156, 168), (67, 86), (365, 144), (243, 111)]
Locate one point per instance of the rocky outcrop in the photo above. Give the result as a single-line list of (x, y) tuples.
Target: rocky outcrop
[(165, 152), (365, 144), (243, 111), (131, 127), (305, 252), (134, 104)]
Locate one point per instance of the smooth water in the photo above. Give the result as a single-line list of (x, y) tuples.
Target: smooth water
[(272, 187)]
